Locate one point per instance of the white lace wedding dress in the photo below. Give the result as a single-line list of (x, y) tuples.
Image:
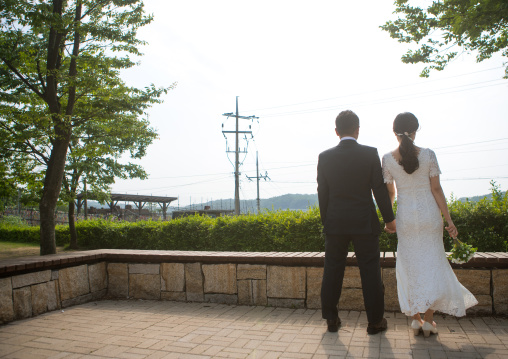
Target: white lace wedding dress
[(424, 276)]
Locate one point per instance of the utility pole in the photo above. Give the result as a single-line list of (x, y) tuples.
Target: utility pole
[(237, 153), (258, 176), (86, 199)]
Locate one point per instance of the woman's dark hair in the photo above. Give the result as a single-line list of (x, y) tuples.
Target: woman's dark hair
[(404, 125)]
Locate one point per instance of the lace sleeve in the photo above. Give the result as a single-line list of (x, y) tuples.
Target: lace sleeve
[(434, 166), (386, 173)]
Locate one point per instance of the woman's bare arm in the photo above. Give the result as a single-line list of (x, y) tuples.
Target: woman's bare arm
[(391, 192), (437, 192)]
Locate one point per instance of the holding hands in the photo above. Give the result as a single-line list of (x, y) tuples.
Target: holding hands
[(391, 227)]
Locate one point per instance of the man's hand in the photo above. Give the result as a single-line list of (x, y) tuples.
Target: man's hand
[(391, 227)]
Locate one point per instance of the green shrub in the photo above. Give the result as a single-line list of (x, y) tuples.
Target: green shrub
[(483, 224)]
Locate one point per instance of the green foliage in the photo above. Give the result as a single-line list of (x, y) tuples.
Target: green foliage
[(448, 27), (482, 224), (61, 92), (13, 221), (270, 231)]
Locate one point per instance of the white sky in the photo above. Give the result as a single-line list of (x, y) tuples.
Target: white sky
[(296, 65)]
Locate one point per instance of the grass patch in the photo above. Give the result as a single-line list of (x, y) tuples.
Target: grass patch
[(15, 250), (5, 246)]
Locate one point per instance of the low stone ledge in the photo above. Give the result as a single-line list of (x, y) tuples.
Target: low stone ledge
[(34, 285), (18, 266)]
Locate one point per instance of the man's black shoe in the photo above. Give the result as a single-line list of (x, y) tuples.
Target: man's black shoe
[(377, 328), (333, 325)]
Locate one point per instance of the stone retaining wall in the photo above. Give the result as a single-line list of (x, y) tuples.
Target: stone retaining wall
[(37, 285)]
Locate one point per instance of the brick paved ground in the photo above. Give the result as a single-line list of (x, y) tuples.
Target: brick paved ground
[(153, 329)]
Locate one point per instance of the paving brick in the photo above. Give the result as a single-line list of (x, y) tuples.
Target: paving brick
[(155, 329)]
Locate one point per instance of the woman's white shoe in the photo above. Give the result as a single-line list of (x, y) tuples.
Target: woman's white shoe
[(428, 328), (416, 326)]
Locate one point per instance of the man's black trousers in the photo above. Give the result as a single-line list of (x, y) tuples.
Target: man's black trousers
[(367, 256)]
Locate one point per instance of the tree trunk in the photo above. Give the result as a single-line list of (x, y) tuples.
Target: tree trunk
[(51, 191), (56, 164), (72, 226)]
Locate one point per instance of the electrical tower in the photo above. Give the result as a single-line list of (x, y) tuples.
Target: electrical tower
[(258, 176), (237, 152)]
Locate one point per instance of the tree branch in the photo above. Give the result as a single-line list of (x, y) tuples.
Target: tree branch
[(22, 78), (41, 79)]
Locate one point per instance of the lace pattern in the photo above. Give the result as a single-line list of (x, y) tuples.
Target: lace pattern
[(431, 283), (434, 166)]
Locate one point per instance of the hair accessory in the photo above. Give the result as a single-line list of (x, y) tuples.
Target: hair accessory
[(407, 134)]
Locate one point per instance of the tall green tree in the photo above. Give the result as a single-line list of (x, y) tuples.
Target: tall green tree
[(97, 148), (55, 57), (448, 28)]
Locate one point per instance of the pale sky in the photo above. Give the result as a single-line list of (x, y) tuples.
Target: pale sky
[(296, 65)]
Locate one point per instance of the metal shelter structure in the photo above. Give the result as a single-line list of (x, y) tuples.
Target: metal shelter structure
[(138, 200)]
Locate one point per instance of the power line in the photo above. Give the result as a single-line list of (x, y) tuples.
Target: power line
[(379, 90), (385, 100), (200, 175), (441, 179), (472, 143), (474, 151)]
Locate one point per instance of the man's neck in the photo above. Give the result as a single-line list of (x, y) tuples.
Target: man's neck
[(348, 138)]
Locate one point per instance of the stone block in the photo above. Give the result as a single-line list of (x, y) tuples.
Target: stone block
[(391, 296), (221, 298), (24, 280), (44, 297), (6, 304), (97, 276), (252, 292), (484, 306), (22, 302), (118, 280), (139, 268), (351, 299), (286, 282), (173, 277), (352, 278), (99, 294), (77, 300), (259, 292), (54, 274), (175, 296), (144, 286), (286, 303), (251, 271), (73, 282), (500, 291), (314, 279), (244, 292), (477, 281), (194, 282), (220, 278)]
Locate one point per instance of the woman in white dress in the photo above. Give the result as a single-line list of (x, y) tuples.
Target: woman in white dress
[(425, 279)]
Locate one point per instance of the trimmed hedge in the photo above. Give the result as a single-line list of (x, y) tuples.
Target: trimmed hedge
[(281, 231), (483, 224)]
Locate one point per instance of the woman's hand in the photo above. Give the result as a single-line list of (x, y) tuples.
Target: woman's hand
[(452, 230)]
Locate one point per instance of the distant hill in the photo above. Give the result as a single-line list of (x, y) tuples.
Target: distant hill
[(287, 201), (478, 198)]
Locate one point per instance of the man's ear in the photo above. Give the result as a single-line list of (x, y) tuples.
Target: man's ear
[(337, 132)]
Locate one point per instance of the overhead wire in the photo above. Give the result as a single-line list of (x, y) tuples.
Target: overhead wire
[(377, 90), (384, 100)]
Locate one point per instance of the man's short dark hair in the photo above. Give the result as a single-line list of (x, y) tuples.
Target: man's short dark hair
[(347, 122)]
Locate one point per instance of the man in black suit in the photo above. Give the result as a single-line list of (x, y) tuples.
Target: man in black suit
[(347, 175)]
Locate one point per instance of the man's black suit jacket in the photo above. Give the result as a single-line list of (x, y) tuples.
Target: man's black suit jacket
[(347, 175)]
